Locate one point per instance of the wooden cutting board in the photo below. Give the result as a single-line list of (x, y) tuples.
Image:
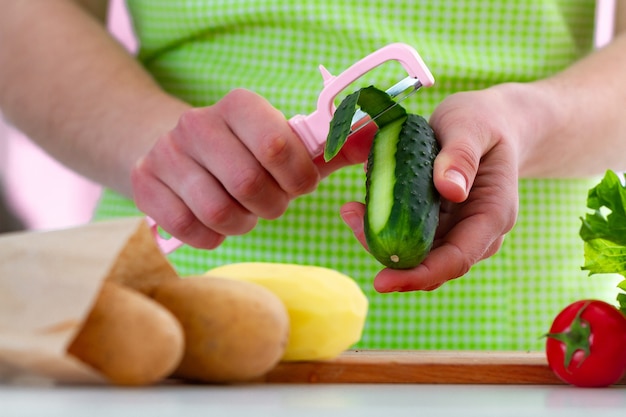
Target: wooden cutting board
[(421, 367)]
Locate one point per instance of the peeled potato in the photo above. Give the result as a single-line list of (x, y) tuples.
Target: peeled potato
[(234, 331), (129, 338), (327, 309)]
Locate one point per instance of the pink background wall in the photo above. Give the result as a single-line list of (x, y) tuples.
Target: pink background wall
[(44, 193), (47, 195)]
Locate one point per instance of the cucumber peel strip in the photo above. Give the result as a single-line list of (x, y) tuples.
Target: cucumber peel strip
[(372, 101)]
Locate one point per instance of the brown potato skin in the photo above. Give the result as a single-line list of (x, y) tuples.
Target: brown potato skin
[(129, 338), (235, 331)]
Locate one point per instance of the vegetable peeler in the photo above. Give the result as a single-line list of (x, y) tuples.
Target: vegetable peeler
[(313, 128)]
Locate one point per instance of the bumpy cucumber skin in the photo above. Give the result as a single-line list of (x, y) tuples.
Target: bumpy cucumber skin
[(407, 237)]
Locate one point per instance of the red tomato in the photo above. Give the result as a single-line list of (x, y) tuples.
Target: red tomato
[(586, 345)]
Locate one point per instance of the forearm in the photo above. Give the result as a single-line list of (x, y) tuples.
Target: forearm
[(575, 120), (74, 90)]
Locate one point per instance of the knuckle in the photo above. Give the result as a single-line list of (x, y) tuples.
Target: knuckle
[(251, 189), (179, 224), (196, 132), (306, 184), (218, 215), (187, 120), (248, 184), (464, 262), (208, 240), (139, 173), (464, 266), (232, 100), (276, 209), (504, 219), (190, 125), (273, 149), (467, 156), (275, 155), (227, 219), (510, 220)]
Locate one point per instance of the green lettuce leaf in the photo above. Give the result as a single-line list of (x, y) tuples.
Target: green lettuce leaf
[(604, 230)]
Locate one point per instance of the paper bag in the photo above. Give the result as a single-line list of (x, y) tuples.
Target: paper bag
[(48, 282)]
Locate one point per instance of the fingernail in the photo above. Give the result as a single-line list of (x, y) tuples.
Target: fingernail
[(352, 219), (457, 178)]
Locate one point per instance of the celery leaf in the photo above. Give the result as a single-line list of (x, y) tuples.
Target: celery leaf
[(604, 229)]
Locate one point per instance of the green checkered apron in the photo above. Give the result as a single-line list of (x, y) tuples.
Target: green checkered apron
[(199, 50)]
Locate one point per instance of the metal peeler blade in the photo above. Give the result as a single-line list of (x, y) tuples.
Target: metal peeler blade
[(402, 90)]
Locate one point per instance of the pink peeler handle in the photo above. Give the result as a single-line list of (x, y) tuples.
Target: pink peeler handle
[(313, 129)]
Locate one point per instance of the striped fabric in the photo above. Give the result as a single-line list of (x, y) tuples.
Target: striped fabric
[(199, 50)]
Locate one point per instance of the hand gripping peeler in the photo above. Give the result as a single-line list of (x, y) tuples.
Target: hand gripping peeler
[(313, 128)]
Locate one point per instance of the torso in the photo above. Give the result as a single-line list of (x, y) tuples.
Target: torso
[(199, 50)]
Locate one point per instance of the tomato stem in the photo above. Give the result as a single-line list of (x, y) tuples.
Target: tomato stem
[(575, 338)]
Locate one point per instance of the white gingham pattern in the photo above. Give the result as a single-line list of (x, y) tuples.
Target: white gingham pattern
[(200, 50)]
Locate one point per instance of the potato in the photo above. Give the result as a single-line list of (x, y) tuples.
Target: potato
[(234, 331), (129, 338), (327, 309)]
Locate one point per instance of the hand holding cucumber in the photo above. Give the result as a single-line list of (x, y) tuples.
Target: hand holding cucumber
[(476, 154)]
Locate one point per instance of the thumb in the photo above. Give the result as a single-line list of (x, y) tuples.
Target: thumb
[(452, 178), (456, 165)]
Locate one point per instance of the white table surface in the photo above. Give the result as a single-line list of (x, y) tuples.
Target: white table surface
[(346, 400)]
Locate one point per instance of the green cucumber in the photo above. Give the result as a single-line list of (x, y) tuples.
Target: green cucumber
[(402, 204)]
